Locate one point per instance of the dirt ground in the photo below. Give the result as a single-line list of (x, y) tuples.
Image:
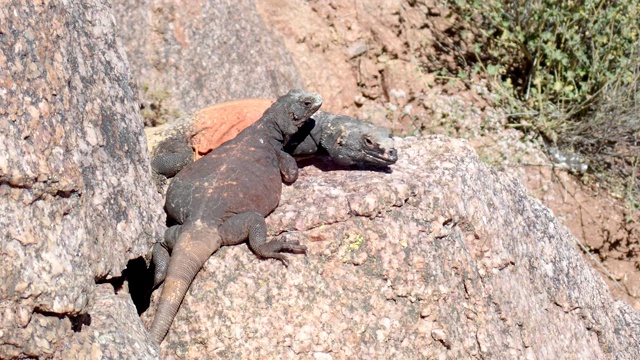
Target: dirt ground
[(379, 60)]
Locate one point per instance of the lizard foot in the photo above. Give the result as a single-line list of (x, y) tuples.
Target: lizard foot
[(272, 249), (160, 257)]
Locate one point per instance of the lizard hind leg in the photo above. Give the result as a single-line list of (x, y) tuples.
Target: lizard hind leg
[(251, 225), (194, 246), (160, 254)]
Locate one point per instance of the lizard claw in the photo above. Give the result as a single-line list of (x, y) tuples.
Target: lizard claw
[(296, 248), (285, 261)]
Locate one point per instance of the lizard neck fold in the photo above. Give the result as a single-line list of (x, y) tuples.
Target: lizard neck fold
[(274, 127)]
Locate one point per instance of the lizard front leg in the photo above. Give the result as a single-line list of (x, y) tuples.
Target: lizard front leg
[(288, 167), (251, 225)]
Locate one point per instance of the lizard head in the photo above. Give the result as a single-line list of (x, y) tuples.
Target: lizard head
[(358, 142), (299, 105)]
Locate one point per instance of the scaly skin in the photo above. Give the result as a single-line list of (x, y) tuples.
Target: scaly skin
[(223, 198), (348, 141)]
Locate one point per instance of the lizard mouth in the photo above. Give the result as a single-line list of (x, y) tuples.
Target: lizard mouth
[(382, 157), (298, 121)]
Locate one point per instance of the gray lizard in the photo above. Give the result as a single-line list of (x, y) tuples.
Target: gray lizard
[(222, 199), (347, 140)]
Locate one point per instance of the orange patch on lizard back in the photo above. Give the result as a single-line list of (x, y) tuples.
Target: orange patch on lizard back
[(218, 123)]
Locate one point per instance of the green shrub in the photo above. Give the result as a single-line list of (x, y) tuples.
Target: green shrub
[(569, 70), (561, 53)]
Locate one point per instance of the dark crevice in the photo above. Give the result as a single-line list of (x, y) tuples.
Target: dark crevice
[(66, 193), (566, 308), (38, 189), (77, 321), (49, 313), (140, 281), (506, 265), (116, 282), (24, 185), (444, 343)]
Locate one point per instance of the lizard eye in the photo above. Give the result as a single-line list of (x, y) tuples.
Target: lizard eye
[(368, 142), (307, 103)]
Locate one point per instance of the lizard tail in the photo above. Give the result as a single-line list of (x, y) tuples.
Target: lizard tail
[(189, 255)]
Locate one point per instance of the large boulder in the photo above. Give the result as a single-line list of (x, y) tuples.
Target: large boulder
[(188, 55), (77, 202), (442, 256)]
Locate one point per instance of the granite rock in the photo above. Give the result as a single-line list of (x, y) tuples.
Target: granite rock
[(443, 256), (189, 55), (77, 200)]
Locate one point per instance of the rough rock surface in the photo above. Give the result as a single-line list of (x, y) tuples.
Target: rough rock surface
[(198, 53), (120, 333), (73, 161), (383, 61), (442, 257)]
